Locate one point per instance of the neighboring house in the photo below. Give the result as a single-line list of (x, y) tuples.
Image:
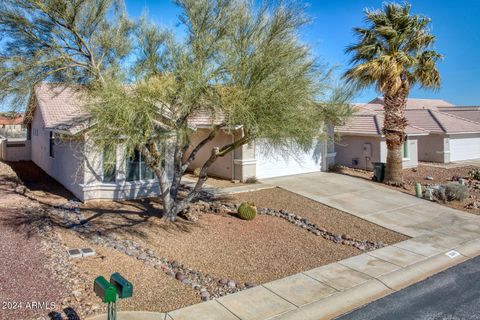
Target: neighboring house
[(470, 113), (362, 143), (58, 127), (449, 133), (12, 125)]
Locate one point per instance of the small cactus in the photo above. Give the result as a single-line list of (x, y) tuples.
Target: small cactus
[(247, 211)]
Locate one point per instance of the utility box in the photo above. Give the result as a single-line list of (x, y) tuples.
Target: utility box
[(104, 290), (124, 287)]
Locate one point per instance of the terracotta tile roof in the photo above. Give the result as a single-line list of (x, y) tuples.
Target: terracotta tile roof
[(11, 121), (469, 113), (63, 108), (440, 122), (368, 122), (413, 103), (204, 118)]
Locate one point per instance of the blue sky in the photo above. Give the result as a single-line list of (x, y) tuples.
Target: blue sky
[(455, 23)]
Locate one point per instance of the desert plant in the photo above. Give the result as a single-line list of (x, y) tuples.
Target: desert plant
[(394, 52), (197, 172), (474, 174), (247, 211), (251, 180), (452, 191)]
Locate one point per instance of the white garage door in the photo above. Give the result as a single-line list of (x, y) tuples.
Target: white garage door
[(465, 148), (270, 165)]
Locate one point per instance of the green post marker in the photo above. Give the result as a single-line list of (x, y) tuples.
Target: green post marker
[(418, 190)]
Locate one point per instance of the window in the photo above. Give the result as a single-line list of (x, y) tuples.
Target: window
[(51, 145), (109, 164), (405, 153), (137, 169), (29, 133)]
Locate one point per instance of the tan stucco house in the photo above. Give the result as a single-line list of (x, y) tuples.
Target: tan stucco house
[(437, 131), (58, 129), (361, 141)]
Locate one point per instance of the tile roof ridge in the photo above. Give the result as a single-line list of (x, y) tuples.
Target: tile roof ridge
[(437, 120), (457, 117), (377, 126)]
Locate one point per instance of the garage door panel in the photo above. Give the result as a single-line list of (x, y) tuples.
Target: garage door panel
[(464, 148), (270, 165)]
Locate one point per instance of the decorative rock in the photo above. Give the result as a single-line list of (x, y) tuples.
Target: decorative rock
[(429, 178), (231, 284), (142, 256), (180, 276), (205, 296), (222, 282), (249, 285)]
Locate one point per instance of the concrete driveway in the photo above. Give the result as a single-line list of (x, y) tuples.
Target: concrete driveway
[(373, 202)]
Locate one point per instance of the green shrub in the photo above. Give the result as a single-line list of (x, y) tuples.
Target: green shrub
[(474, 174), (251, 180), (456, 191), (196, 172), (247, 211), (452, 191)]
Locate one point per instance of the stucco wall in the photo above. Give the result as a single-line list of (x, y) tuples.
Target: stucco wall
[(222, 167), (15, 150), (411, 161), (433, 148), (67, 165), (350, 147)]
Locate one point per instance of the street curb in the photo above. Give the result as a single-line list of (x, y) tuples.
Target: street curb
[(419, 271), (470, 249), (339, 303), (133, 315)]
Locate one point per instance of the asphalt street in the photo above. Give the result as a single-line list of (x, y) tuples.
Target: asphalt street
[(453, 294)]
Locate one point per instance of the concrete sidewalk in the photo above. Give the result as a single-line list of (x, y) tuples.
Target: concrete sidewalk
[(441, 238)]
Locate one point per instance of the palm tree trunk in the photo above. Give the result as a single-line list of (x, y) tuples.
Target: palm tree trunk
[(394, 130)]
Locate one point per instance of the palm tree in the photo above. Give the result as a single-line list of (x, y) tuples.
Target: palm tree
[(394, 52)]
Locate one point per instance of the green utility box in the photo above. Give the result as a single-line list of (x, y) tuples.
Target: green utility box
[(378, 171), (104, 290), (124, 287)]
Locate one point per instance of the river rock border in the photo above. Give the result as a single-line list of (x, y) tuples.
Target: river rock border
[(204, 207), (206, 285)]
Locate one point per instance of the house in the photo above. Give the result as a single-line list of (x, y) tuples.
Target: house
[(11, 125), (58, 128), (449, 133), (362, 142)]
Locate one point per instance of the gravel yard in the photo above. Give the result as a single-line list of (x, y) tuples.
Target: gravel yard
[(25, 278), (436, 175), (165, 260)]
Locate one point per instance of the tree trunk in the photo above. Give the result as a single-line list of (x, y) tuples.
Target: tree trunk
[(393, 170), (394, 130)]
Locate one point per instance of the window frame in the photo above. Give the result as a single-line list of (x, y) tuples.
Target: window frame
[(405, 150), (141, 167), (114, 165)]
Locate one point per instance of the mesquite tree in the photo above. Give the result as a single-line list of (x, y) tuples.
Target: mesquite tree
[(394, 52)]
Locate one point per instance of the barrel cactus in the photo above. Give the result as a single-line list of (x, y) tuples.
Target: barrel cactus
[(247, 211)]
